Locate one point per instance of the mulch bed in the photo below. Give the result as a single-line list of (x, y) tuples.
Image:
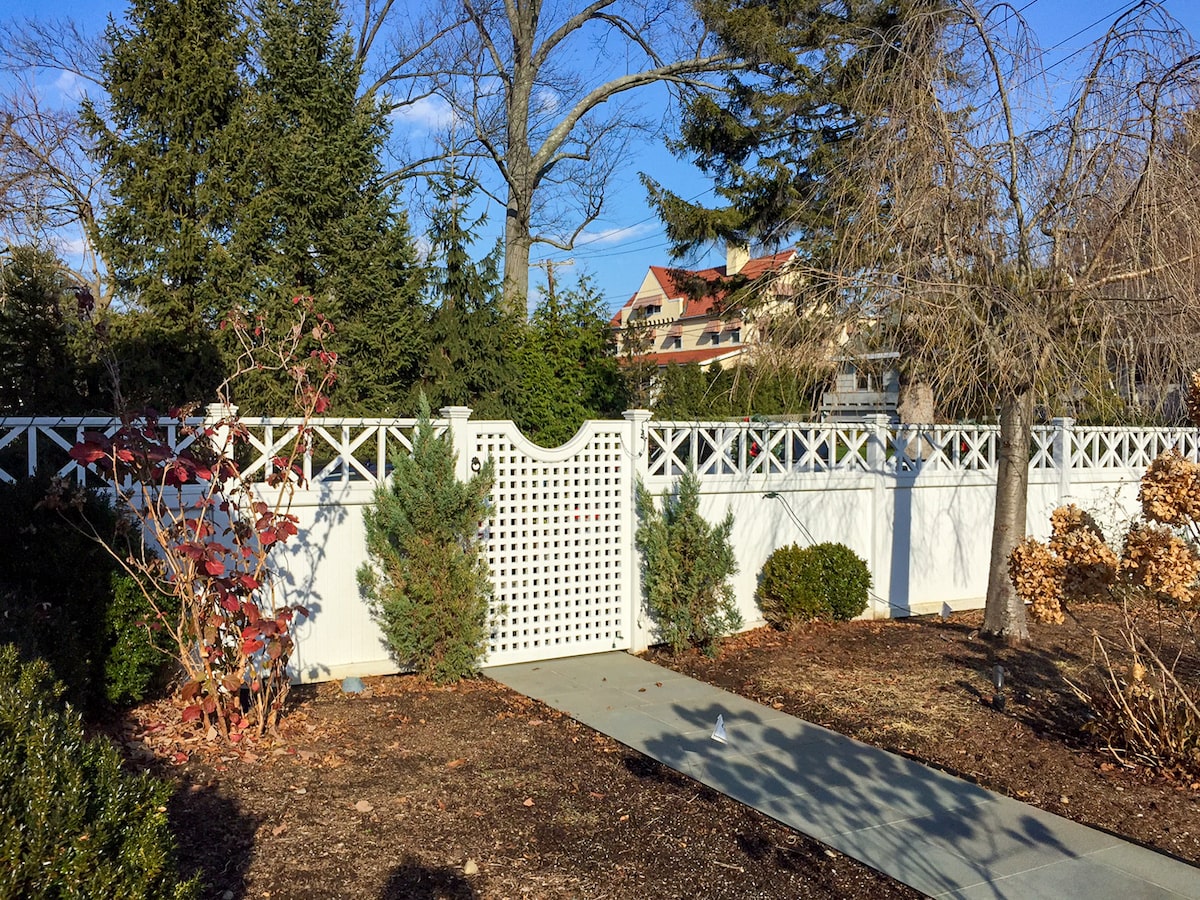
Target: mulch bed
[(922, 687), (418, 791)]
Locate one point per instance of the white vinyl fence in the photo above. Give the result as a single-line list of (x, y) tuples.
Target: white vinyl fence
[(914, 501)]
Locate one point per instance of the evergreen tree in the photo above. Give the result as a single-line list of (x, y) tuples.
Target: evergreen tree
[(317, 220), (686, 567), (426, 580), (687, 393), (472, 342), (44, 369), (568, 371), (165, 149), (770, 138)]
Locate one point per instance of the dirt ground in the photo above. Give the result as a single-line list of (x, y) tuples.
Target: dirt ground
[(416, 791)]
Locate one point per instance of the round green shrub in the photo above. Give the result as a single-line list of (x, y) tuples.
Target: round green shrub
[(789, 588), (799, 584), (72, 822)]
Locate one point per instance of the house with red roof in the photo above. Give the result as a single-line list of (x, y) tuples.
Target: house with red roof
[(684, 316)]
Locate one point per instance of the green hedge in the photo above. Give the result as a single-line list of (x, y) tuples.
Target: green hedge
[(72, 823), (64, 599)]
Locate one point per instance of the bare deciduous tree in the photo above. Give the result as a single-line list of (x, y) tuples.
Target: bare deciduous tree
[(537, 93), (49, 190), (1020, 252)]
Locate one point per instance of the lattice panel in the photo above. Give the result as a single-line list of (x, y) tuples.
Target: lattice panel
[(1127, 448), (557, 544), (44, 444), (340, 450), (915, 448), (753, 448)]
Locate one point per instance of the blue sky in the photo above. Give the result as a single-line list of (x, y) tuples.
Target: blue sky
[(616, 249)]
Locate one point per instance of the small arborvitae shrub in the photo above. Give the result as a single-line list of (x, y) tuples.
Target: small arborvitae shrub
[(72, 822), (686, 566), (427, 582), (799, 584)]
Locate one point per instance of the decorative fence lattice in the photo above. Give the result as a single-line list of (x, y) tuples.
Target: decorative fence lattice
[(357, 450), (1128, 448), (339, 450)]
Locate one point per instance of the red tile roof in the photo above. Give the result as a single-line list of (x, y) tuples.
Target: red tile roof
[(683, 357), (672, 280)]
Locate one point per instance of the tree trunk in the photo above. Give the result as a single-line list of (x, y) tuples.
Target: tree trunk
[(516, 259), (1004, 614), (521, 182)]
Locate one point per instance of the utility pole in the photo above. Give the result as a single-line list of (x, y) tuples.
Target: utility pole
[(550, 265)]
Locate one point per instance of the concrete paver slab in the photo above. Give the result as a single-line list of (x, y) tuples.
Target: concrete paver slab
[(939, 834), (1069, 878), (1155, 868)]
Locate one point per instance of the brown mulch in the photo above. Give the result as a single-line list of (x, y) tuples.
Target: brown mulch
[(421, 792), (923, 688), (418, 791)]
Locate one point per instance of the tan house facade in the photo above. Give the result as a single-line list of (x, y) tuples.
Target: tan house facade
[(684, 316)]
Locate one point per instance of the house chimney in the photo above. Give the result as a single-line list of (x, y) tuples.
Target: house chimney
[(736, 257)]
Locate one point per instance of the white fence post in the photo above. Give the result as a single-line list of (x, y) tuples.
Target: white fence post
[(217, 417), (638, 441), (1062, 455), (456, 419), (880, 563)]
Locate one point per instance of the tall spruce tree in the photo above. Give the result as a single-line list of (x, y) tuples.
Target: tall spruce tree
[(769, 139), (164, 147), (472, 340), (317, 219)]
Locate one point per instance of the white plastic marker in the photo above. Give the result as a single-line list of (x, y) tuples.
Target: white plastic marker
[(718, 734)]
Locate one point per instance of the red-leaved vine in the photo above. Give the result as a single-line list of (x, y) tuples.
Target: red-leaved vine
[(208, 530)]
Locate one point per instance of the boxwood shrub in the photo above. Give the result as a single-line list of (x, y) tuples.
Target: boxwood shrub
[(825, 581), (72, 822)]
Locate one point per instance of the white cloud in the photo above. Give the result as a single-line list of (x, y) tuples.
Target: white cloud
[(70, 248), (546, 100), (70, 86), (605, 237), (426, 114)]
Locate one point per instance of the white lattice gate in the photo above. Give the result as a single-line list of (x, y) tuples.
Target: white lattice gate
[(559, 542)]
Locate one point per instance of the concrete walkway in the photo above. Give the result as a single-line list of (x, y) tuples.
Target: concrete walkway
[(941, 835)]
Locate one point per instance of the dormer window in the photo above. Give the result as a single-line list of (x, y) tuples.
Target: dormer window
[(649, 311)]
